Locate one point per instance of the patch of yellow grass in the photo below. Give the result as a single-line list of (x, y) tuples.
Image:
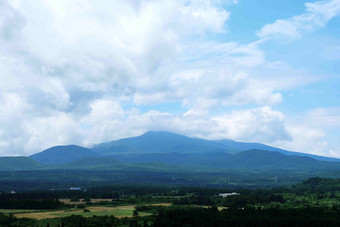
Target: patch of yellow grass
[(119, 211)]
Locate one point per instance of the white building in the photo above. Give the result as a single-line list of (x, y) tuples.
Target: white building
[(228, 194)]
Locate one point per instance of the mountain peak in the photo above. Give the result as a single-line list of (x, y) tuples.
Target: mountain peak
[(161, 133)]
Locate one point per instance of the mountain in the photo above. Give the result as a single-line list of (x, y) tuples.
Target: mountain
[(158, 142), (63, 154), (154, 149), (174, 144), (19, 163)]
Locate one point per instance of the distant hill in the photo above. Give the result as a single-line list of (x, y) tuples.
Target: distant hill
[(19, 163), (261, 159), (243, 146), (63, 154), (171, 143)]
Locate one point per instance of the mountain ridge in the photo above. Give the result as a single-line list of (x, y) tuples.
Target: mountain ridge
[(171, 149), (184, 143)]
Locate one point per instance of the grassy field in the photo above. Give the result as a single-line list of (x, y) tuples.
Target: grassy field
[(119, 211)]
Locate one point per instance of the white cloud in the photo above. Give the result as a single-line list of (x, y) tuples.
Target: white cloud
[(310, 133), (260, 124), (44, 132), (316, 16), (68, 67)]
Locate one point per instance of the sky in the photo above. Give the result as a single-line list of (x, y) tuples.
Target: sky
[(84, 72)]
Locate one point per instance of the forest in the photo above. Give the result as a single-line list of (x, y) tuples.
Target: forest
[(313, 202)]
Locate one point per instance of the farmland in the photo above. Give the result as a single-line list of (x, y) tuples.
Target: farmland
[(313, 200)]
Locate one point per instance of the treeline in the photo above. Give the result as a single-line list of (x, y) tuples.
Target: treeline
[(195, 216), (43, 204), (317, 185), (75, 221), (29, 201), (245, 197), (62, 179)]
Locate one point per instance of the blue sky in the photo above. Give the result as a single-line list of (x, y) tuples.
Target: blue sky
[(79, 72)]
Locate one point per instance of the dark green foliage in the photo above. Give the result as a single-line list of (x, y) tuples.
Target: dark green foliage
[(74, 199), (317, 185), (105, 221), (64, 179), (194, 216), (32, 200), (194, 200), (80, 206)]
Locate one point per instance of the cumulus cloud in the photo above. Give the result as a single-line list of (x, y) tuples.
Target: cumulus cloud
[(260, 124), (84, 72), (316, 16), (315, 132)]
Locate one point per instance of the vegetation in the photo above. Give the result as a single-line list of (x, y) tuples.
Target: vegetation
[(313, 202)]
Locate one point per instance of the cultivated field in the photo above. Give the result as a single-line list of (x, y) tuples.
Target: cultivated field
[(119, 211)]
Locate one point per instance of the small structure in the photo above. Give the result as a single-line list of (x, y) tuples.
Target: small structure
[(13, 192), (228, 194), (75, 189)]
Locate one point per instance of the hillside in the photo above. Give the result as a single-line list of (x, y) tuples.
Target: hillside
[(172, 157), (93, 163), (19, 163), (63, 154)]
